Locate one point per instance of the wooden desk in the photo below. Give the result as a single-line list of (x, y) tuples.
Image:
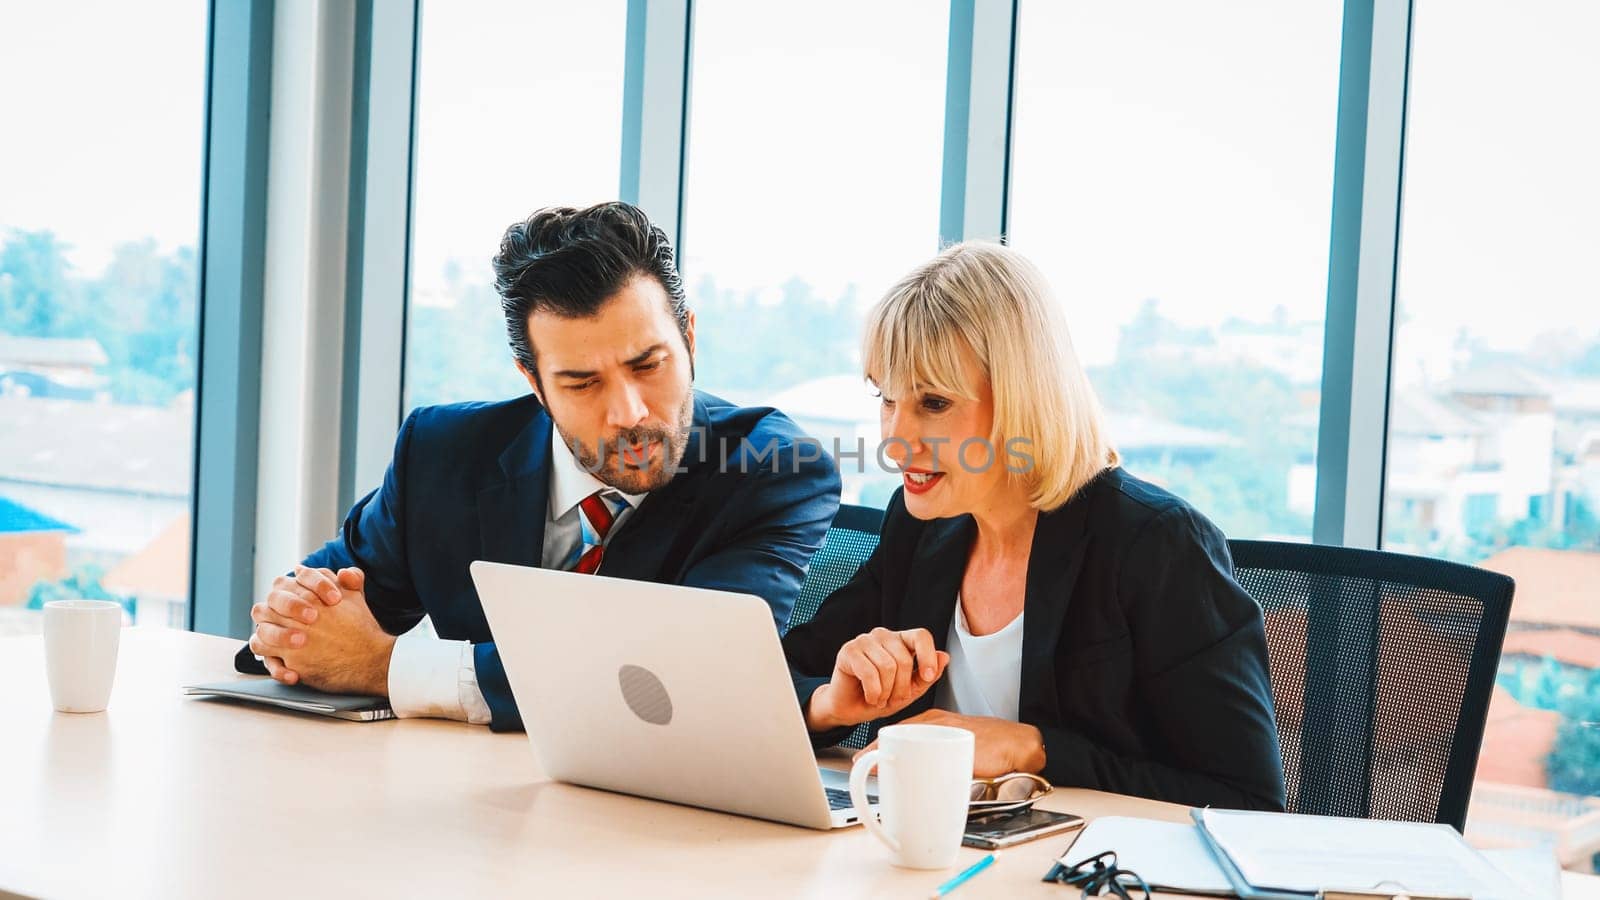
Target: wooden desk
[(168, 796)]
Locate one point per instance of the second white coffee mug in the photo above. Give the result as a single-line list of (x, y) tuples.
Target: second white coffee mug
[(924, 784), (80, 652)]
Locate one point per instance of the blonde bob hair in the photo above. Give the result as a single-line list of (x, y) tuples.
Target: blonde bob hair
[(990, 301)]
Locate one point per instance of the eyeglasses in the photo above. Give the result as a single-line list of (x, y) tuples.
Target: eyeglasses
[(1009, 788), (1097, 876)]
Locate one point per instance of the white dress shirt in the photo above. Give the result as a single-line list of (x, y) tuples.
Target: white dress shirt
[(439, 678), (984, 676)]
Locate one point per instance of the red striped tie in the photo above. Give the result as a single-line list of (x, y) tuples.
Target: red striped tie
[(599, 516)]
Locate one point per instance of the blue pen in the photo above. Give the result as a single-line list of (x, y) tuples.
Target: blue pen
[(964, 877)]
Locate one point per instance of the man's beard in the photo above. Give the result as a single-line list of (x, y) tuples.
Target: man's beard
[(613, 464)]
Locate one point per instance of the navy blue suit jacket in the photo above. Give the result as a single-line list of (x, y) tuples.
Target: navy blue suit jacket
[(471, 481)]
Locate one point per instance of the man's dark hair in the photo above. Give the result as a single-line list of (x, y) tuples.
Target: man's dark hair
[(569, 261)]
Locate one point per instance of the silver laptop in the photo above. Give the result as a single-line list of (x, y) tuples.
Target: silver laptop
[(675, 693)]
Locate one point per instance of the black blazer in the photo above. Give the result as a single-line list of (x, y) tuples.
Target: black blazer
[(1144, 664)]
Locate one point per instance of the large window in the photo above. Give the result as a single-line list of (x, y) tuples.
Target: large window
[(1494, 433), (519, 107), (815, 147), (100, 172), (1172, 175)]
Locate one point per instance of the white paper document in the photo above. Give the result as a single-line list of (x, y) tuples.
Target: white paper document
[(1310, 853), (1167, 855), (1535, 869)]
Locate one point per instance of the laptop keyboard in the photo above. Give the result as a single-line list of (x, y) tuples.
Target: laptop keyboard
[(839, 799)]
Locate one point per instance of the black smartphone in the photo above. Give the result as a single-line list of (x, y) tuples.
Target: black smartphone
[(1005, 829)]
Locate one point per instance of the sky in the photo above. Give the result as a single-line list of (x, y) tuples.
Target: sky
[(1176, 151), (102, 113), (1500, 227), (1162, 149), (519, 107), (815, 142)]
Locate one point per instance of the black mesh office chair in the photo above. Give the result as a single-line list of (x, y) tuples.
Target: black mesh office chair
[(850, 540), (1382, 667)]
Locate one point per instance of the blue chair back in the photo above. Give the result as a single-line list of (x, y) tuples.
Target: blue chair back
[(850, 540)]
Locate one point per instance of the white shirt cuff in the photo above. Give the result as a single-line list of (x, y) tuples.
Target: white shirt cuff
[(434, 678)]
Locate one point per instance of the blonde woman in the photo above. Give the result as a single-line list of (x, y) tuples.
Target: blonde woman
[(1083, 624)]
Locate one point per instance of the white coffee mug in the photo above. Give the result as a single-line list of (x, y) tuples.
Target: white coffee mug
[(924, 784), (80, 652)]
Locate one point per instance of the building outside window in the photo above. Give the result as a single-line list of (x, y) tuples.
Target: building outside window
[(99, 314)]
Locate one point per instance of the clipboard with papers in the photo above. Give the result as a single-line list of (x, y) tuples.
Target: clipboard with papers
[(1278, 856)]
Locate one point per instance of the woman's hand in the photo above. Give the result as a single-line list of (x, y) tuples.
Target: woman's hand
[(999, 746), (876, 675)]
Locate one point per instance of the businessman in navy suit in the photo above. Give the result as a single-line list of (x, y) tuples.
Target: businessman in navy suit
[(614, 464)]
